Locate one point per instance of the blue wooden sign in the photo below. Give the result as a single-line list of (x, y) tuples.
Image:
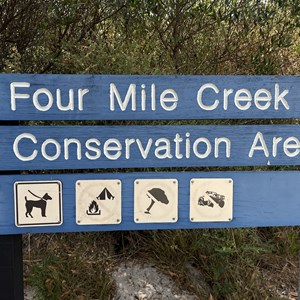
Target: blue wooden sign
[(125, 97), (136, 201), (260, 199), (90, 147)]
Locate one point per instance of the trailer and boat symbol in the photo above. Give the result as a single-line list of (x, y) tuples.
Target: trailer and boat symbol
[(93, 209), (217, 198)]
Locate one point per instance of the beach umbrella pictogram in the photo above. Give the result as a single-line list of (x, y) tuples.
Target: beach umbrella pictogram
[(156, 194)]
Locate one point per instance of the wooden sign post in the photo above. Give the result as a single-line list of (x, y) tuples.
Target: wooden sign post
[(58, 202)]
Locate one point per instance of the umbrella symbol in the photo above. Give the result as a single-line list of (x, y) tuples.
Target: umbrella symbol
[(156, 194)]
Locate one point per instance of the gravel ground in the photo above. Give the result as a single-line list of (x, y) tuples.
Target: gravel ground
[(29, 293), (135, 281)]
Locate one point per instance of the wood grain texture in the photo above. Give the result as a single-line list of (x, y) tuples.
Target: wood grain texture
[(96, 103), (241, 140), (260, 199)]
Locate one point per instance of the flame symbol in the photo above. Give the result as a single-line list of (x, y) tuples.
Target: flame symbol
[(93, 209)]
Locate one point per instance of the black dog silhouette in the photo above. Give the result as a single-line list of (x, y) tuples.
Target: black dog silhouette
[(42, 204)]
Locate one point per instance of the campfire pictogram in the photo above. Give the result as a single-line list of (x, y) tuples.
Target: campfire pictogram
[(93, 209)]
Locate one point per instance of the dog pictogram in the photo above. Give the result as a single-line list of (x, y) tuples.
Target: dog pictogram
[(42, 204)]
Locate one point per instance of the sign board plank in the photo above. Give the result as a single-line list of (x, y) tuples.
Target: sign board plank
[(259, 199), (90, 147), (140, 97)]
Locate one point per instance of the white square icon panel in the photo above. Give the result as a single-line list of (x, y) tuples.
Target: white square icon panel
[(155, 200), (211, 199), (38, 203), (98, 202)]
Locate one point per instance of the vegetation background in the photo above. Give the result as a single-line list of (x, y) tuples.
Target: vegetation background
[(157, 37)]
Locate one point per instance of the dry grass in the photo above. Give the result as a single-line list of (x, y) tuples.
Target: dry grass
[(235, 263), (69, 266)]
